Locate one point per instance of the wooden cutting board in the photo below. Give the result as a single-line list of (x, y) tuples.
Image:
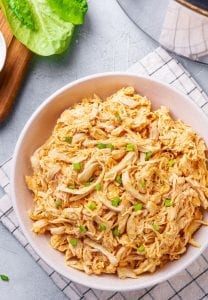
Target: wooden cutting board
[(11, 77)]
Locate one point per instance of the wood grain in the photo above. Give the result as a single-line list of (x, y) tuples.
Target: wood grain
[(11, 77)]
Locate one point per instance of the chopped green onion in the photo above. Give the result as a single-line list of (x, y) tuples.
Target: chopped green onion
[(87, 183), (71, 186), (118, 179), (76, 166), (68, 140), (101, 146), (143, 183), (92, 206), (129, 147), (98, 187), (141, 248), (171, 162), (58, 203), (82, 229), (155, 227), (138, 206), (118, 117), (102, 227), (115, 202), (73, 242), (110, 146), (148, 155), (116, 232), (4, 277), (91, 179), (168, 202)]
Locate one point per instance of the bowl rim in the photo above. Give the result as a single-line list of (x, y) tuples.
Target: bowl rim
[(3, 48), (91, 283)]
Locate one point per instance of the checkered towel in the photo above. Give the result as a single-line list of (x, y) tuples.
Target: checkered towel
[(190, 284), (185, 32)]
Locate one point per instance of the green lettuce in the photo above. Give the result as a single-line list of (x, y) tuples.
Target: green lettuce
[(40, 25), (72, 11)]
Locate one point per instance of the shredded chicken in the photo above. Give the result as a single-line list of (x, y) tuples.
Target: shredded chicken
[(120, 188)]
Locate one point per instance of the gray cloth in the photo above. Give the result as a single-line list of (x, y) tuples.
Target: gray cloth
[(185, 32)]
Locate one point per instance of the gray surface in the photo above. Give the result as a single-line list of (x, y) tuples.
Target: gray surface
[(27, 280), (142, 11), (108, 41)]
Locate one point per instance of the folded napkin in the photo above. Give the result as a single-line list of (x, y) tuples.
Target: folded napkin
[(190, 284), (185, 32)]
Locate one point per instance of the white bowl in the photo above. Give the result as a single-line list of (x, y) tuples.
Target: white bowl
[(39, 128), (3, 51)]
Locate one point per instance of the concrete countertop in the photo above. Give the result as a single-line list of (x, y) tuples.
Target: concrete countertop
[(108, 41)]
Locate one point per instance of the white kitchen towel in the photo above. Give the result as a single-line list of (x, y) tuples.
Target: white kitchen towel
[(190, 284), (185, 32)]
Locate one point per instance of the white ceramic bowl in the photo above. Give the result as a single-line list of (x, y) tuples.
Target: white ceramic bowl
[(3, 51), (39, 128)]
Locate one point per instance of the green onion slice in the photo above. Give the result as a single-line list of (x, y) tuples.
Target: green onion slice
[(118, 179), (155, 227), (141, 248), (4, 277), (110, 146), (102, 227), (92, 206), (168, 202), (58, 203), (138, 206), (130, 147), (101, 146), (171, 163), (118, 117), (68, 139), (71, 186), (73, 242), (77, 166), (98, 187), (148, 155), (143, 183), (116, 201), (116, 232), (82, 228)]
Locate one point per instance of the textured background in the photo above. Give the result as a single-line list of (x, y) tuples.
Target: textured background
[(108, 41)]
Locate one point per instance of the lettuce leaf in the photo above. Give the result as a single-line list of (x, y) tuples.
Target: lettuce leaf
[(38, 26), (72, 11)]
